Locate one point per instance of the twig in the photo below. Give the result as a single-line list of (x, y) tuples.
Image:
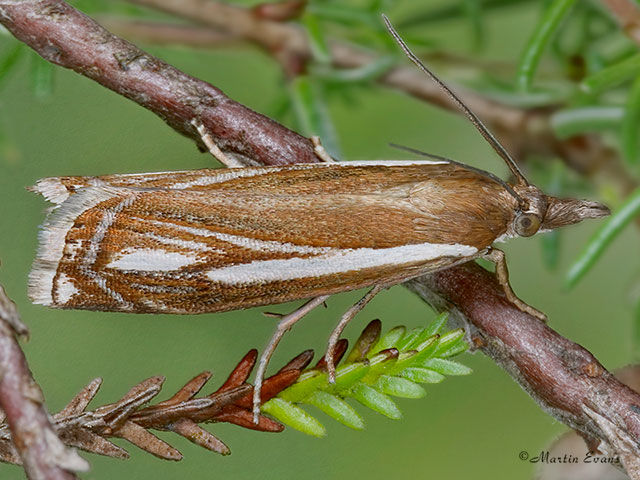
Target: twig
[(410, 358), (36, 444), (67, 37), (523, 131), (164, 33), (196, 36), (563, 378), (129, 419), (627, 13)]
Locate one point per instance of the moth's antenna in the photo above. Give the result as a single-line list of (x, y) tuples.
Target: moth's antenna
[(497, 179), (432, 156), (481, 127)]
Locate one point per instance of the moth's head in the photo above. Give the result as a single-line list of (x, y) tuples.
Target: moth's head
[(541, 212), (534, 211), (567, 211)]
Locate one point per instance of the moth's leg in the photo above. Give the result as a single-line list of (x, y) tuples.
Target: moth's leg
[(346, 318), (498, 258), (286, 322), (320, 151), (213, 148)]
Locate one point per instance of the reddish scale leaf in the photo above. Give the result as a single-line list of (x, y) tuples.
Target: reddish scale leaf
[(190, 390), (198, 410), (242, 371), (244, 418), (298, 363), (338, 353), (198, 435), (271, 387)]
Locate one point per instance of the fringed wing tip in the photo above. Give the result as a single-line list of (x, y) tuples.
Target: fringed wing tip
[(52, 189), (41, 282), (52, 238)]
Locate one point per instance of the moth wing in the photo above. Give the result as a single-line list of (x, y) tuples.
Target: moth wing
[(308, 177), (188, 251)]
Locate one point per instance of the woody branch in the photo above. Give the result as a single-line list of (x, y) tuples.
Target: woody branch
[(523, 131), (627, 14), (565, 379), (38, 448)]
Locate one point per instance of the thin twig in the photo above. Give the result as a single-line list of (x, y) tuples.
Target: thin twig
[(565, 379), (197, 36), (67, 37), (129, 419), (36, 444), (165, 33), (627, 13), (523, 131)]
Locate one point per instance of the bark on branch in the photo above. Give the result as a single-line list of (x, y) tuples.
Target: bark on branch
[(627, 14), (43, 455), (67, 37), (566, 380), (523, 131)]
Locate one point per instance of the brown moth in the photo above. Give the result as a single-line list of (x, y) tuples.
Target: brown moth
[(213, 240)]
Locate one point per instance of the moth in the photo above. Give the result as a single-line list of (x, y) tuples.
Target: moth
[(212, 240)]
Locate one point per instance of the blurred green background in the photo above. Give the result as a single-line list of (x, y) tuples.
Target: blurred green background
[(466, 427)]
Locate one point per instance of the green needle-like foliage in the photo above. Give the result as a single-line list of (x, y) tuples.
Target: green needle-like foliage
[(545, 28), (629, 210), (376, 369)]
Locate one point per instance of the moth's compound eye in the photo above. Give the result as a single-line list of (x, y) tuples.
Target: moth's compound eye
[(526, 224)]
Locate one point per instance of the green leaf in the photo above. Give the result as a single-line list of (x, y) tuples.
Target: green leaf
[(611, 76), (448, 340), (405, 359), (446, 367), (630, 131), (312, 113), (541, 96), (347, 375), (594, 118), (336, 408), (437, 326), (451, 10), (307, 383), (389, 340), (379, 364), (422, 375), (370, 377), (426, 348), (376, 401), (456, 349), (544, 30), (399, 387), (603, 237), (367, 73), (294, 416), (409, 338), (317, 42), (473, 11)]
